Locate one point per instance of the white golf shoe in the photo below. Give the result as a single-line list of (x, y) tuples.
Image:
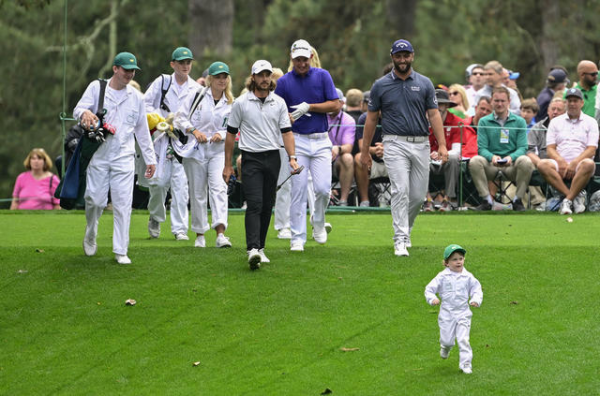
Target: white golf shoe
[(122, 259), (254, 259), (222, 241), (263, 256)]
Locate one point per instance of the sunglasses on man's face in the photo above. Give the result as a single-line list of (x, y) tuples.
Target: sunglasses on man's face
[(592, 74)]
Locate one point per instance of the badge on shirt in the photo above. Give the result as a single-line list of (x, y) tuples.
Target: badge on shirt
[(504, 133)]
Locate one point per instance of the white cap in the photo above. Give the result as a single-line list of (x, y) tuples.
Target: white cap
[(301, 48), (340, 95), (261, 65)]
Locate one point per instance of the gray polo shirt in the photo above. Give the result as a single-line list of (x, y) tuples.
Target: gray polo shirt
[(403, 103), (260, 124)]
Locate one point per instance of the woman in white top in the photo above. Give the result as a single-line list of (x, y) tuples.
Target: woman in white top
[(204, 154)]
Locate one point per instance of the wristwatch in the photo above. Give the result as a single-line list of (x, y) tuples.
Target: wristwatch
[(293, 157)]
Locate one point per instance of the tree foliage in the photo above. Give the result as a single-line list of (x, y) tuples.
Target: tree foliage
[(352, 37)]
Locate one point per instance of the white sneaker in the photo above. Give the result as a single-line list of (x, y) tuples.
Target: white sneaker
[(153, 228), (320, 235), (89, 247), (200, 241), (467, 369), (284, 233), (400, 249), (407, 242), (364, 204), (565, 206), (328, 227), (254, 259), (579, 202), (180, 236), (122, 259), (263, 256), (297, 246), (444, 352), (222, 241)]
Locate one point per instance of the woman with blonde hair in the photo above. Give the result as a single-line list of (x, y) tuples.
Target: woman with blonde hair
[(34, 189), (458, 95), (204, 156)]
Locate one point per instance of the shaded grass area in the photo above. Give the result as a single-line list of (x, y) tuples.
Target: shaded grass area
[(64, 327)]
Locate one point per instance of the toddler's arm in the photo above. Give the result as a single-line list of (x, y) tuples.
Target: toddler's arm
[(475, 292), (431, 290)]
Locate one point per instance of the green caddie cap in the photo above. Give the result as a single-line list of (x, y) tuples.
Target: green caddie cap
[(182, 53), (218, 68), (451, 249), (126, 60)]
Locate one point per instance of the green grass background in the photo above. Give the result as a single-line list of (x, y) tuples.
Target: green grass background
[(65, 328)]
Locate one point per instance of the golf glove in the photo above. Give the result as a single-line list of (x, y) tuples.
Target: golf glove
[(300, 110)]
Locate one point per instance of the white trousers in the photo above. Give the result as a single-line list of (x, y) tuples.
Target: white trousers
[(407, 164), (117, 176), (457, 327), (173, 177), (314, 153), (283, 198), (205, 178)]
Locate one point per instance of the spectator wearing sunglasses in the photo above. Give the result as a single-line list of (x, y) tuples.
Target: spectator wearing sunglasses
[(458, 96), (475, 76), (588, 75)]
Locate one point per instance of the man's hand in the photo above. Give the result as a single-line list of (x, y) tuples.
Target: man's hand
[(300, 110), (474, 304), (434, 155), (200, 136), (435, 302), (443, 154), (294, 165), (365, 160), (89, 120), (378, 150), (335, 152), (570, 170), (227, 172), (216, 138), (150, 169)]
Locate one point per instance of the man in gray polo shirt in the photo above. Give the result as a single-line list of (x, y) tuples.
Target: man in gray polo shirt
[(406, 99)]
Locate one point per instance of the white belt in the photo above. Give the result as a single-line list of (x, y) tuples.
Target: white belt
[(411, 139), (317, 135)]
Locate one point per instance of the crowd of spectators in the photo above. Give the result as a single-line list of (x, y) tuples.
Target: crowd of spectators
[(498, 135)]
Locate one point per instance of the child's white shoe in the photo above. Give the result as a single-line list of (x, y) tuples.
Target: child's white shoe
[(467, 369)]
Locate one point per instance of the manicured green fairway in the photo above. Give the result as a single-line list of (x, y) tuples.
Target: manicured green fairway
[(65, 328)]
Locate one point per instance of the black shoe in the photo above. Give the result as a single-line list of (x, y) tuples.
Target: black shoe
[(485, 205), (518, 205)]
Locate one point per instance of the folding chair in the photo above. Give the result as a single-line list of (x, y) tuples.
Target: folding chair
[(380, 191)]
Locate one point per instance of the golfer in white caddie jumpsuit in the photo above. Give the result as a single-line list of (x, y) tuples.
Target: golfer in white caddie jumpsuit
[(169, 172), (112, 165), (454, 289), (204, 160)]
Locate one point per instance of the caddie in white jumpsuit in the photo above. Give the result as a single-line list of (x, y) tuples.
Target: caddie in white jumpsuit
[(204, 155), (169, 172), (112, 165), (455, 285)]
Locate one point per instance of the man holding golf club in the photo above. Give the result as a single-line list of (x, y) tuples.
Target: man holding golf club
[(262, 118)]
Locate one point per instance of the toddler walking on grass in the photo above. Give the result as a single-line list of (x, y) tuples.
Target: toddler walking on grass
[(455, 285)]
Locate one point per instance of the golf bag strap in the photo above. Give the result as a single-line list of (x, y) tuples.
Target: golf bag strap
[(101, 111), (164, 88)]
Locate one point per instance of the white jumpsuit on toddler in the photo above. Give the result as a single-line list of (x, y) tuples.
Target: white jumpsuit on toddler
[(454, 289)]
